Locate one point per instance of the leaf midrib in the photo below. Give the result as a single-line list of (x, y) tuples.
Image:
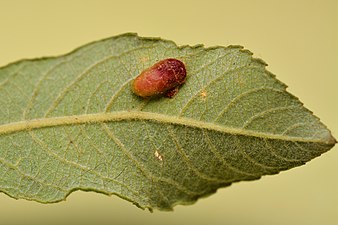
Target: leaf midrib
[(34, 124)]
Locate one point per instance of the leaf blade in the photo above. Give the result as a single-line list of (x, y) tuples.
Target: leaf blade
[(73, 123)]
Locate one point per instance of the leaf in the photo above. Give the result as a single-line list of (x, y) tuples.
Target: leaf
[(72, 123)]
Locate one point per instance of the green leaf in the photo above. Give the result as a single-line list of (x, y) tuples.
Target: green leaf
[(72, 123)]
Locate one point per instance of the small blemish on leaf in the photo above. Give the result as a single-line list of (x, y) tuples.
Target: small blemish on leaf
[(144, 59), (158, 156), (203, 94)]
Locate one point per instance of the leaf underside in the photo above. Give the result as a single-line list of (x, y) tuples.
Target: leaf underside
[(72, 123)]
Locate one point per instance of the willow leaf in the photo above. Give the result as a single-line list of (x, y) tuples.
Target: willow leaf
[(72, 123)]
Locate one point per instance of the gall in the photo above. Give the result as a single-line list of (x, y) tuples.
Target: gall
[(163, 78)]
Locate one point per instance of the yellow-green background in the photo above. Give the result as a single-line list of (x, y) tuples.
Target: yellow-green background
[(299, 41)]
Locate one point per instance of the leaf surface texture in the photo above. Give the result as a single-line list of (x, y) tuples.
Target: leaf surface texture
[(72, 123)]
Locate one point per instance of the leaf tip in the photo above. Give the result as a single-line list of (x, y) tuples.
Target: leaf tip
[(332, 140), (329, 139)]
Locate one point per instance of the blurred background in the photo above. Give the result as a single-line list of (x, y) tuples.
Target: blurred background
[(299, 41)]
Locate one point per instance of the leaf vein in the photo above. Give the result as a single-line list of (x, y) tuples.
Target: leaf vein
[(138, 115), (187, 160), (214, 150), (146, 173), (196, 94), (238, 98), (84, 73), (266, 112)]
